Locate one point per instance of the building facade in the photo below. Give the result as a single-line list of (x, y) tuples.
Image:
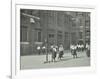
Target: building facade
[(38, 27)]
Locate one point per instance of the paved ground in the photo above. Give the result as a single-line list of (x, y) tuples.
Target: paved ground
[(37, 61)]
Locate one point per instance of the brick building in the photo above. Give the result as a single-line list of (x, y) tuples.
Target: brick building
[(57, 27)]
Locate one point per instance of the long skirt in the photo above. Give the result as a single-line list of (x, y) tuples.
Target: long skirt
[(54, 55), (74, 52), (88, 53), (60, 54)]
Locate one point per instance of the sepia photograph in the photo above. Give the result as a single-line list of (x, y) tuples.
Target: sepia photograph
[(54, 39)]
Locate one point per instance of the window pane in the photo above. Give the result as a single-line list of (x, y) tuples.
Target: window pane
[(23, 35), (39, 36)]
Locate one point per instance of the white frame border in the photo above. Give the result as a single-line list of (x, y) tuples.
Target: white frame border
[(17, 74)]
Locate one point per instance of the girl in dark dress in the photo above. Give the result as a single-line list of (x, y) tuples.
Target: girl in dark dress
[(54, 53), (74, 53)]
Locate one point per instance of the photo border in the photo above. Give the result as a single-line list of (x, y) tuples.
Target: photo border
[(17, 73)]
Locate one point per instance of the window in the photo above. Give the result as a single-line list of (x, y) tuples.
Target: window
[(80, 20), (73, 37), (23, 34), (87, 23), (39, 36), (80, 35), (66, 34), (60, 19), (66, 40), (51, 35), (59, 37)]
